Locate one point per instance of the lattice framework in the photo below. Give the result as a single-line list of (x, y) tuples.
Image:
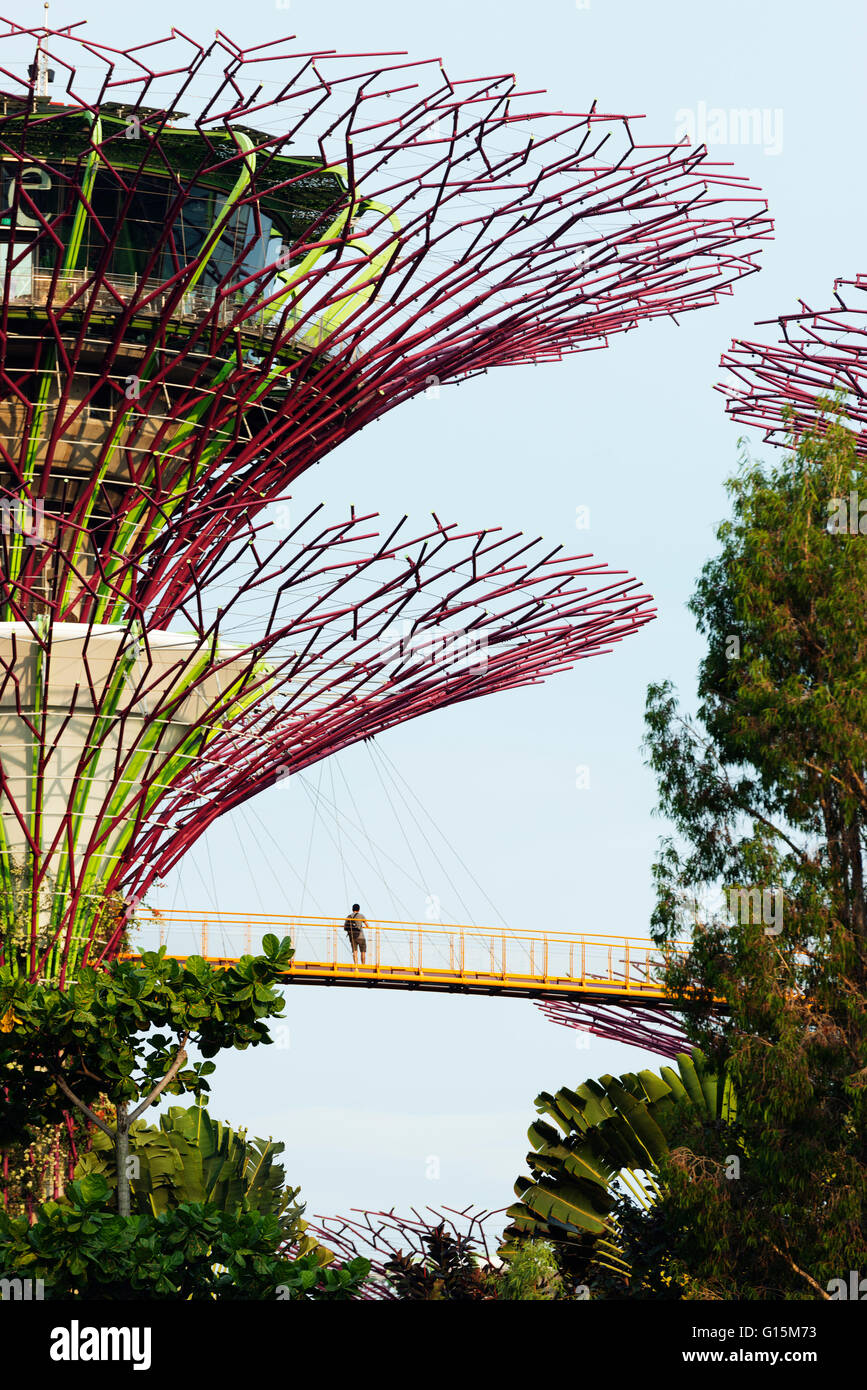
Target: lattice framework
[(192, 316)]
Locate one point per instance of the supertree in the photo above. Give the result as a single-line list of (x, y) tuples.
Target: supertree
[(192, 315), (784, 387)]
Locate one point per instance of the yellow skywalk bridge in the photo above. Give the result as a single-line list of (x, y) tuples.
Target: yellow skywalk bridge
[(598, 967)]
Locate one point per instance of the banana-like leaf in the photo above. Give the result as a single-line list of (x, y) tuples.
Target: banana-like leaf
[(691, 1080), (655, 1087), (574, 1207), (729, 1107), (543, 1136), (582, 1162), (615, 1128), (193, 1158), (672, 1079)]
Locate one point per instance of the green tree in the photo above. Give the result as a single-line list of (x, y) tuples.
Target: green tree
[(100, 1037), (81, 1249), (191, 1158), (766, 790)]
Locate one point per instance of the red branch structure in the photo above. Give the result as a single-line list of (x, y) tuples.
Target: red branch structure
[(123, 741), (779, 387), (383, 1237), (656, 1030), (210, 313), (197, 309)]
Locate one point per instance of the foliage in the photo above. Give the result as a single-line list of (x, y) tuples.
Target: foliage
[(30, 916), (83, 1250), (307, 1277), (610, 1138), (190, 1158), (96, 1037), (451, 1268), (767, 791), (531, 1273), (24, 912), (644, 1238), (443, 1254), (448, 1270), (39, 1169)]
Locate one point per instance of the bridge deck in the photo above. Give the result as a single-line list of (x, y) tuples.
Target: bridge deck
[(424, 955)]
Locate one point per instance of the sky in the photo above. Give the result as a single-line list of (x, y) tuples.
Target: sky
[(409, 1100)]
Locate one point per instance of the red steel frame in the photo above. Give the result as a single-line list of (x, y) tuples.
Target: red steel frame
[(526, 235), (541, 258), (819, 353), (334, 673), (655, 1028)]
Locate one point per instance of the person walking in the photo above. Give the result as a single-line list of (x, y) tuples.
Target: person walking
[(354, 928)]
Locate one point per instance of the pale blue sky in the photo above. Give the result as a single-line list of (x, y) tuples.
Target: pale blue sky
[(371, 1086)]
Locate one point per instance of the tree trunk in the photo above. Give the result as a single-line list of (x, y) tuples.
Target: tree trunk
[(121, 1150), (857, 879)]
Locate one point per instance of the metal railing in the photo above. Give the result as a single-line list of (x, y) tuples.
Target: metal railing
[(35, 289), (420, 953)]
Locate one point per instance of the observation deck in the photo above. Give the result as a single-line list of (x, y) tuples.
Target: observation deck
[(151, 300)]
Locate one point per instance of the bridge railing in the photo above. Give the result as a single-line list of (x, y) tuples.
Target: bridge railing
[(627, 963)]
